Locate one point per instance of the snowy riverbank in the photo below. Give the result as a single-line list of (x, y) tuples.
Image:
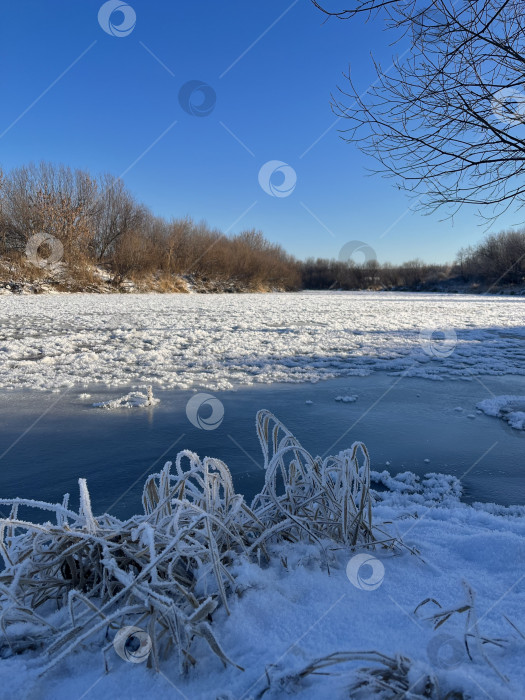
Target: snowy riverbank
[(294, 611)]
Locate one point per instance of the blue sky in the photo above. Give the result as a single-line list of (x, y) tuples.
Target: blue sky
[(117, 109)]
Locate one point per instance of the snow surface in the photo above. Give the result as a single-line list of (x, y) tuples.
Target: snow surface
[(218, 341), (295, 610), (510, 408), (135, 399)]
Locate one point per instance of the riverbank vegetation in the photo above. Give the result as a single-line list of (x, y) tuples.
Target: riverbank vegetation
[(95, 236), (106, 239), (494, 265)]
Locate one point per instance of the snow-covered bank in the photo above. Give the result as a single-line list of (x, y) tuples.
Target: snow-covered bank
[(23, 277), (217, 341), (297, 609)]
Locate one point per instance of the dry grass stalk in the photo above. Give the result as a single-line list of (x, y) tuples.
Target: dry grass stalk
[(472, 633), (385, 677), (168, 569)]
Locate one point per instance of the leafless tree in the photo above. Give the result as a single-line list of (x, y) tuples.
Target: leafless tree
[(498, 258), (117, 214), (51, 198), (447, 118)]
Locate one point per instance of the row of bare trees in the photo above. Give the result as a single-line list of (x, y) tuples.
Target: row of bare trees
[(499, 259), (496, 262), (99, 223), (333, 274)]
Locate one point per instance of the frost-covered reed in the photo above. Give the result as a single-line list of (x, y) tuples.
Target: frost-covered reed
[(168, 569)]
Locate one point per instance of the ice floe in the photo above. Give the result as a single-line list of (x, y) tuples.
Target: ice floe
[(135, 399), (509, 408)]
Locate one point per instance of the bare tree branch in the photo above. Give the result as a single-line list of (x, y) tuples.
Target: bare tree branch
[(447, 119)]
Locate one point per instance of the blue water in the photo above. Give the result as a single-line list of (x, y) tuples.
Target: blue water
[(51, 440)]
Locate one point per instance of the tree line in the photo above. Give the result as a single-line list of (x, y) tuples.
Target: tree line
[(496, 262), (100, 224)]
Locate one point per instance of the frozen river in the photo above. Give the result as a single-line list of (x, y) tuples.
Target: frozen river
[(403, 421), (413, 370), (221, 341), (257, 351)]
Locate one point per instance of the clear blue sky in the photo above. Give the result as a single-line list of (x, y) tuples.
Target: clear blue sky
[(104, 112)]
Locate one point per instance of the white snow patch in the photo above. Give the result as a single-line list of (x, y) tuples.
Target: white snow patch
[(509, 408), (135, 399), (287, 614)]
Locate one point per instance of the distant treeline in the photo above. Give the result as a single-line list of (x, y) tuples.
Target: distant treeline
[(99, 224), (497, 261)]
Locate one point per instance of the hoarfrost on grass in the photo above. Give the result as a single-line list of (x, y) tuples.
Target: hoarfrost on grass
[(169, 568), (280, 623)]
